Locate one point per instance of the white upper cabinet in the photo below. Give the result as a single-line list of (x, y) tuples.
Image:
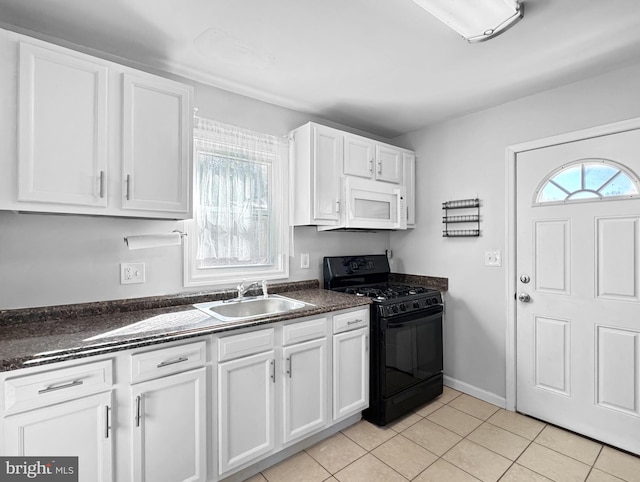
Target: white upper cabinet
[(62, 153), (324, 160), (359, 156), (317, 157), (366, 158), (93, 137), (388, 164), (156, 138)]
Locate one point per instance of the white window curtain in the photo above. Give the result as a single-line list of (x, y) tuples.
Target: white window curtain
[(240, 206)]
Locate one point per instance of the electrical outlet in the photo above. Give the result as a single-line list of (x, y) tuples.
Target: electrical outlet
[(304, 260), (131, 273), (493, 258)]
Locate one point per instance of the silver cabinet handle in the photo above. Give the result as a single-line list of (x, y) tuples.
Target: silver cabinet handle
[(366, 343), (173, 362), (128, 190), (337, 206), (379, 167), (53, 388), (289, 369), (371, 165), (101, 184), (107, 424), (273, 371), (138, 410), (354, 322)]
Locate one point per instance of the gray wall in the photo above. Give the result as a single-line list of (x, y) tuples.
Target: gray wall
[(52, 259), (464, 158)]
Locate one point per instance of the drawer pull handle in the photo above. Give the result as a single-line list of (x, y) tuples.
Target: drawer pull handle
[(273, 371), (107, 424), (128, 189), (53, 388), (354, 322), (138, 410), (289, 370), (101, 184), (173, 362)]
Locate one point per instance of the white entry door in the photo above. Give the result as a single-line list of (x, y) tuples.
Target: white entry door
[(578, 269)]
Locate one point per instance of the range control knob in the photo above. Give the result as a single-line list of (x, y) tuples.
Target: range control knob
[(394, 308), (416, 304), (403, 307)]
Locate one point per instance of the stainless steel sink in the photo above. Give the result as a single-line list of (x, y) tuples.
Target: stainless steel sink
[(250, 307)]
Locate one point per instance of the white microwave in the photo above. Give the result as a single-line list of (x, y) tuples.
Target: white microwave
[(368, 204)]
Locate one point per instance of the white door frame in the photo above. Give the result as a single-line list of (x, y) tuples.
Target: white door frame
[(511, 241)]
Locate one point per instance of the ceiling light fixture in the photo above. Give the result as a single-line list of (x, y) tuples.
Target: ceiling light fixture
[(475, 20)]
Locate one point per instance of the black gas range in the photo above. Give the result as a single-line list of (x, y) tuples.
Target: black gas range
[(406, 334)]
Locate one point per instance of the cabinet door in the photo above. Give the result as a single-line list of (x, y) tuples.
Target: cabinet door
[(78, 428), (409, 181), (170, 427), (388, 164), (327, 166), (359, 156), (350, 372), (62, 147), (304, 388), (156, 140), (245, 409)]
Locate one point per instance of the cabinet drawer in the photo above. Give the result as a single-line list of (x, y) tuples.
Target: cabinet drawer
[(166, 361), (42, 389), (244, 344), (350, 320), (304, 331)]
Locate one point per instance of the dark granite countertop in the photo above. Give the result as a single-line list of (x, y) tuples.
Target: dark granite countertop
[(41, 340), (37, 336)]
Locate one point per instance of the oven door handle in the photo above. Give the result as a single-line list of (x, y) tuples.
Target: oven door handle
[(433, 317)]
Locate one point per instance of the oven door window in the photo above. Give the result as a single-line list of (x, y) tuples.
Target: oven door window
[(413, 352)]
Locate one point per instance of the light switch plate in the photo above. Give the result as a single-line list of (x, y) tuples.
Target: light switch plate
[(493, 258)]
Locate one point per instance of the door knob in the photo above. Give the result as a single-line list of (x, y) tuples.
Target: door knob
[(525, 278), (524, 297)]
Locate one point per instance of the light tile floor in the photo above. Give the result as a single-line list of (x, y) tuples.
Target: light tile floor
[(456, 438)]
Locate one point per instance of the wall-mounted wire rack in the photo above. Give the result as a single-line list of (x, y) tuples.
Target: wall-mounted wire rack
[(469, 217)]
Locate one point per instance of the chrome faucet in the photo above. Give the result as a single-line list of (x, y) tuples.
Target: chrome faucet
[(242, 289)]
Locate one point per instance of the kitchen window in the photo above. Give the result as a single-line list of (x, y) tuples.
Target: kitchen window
[(240, 220)]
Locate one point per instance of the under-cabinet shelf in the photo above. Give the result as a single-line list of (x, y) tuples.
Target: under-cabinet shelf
[(470, 204)]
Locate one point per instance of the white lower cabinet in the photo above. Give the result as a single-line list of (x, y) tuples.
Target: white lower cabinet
[(305, 388), (275, 385), (246, 409), (169, 429), (169, 422), (54, 413), (149, 414), (350, 363)]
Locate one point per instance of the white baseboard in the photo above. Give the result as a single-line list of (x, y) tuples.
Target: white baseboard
[(475, 392)]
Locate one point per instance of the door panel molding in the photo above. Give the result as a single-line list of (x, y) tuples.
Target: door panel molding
[(617, 371), (617, 238), (552, 246), (552, 338)]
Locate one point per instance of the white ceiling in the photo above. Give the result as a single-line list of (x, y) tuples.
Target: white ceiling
[(383, 66)]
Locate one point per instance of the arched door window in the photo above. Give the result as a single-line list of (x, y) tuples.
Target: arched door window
[(587, 180)]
